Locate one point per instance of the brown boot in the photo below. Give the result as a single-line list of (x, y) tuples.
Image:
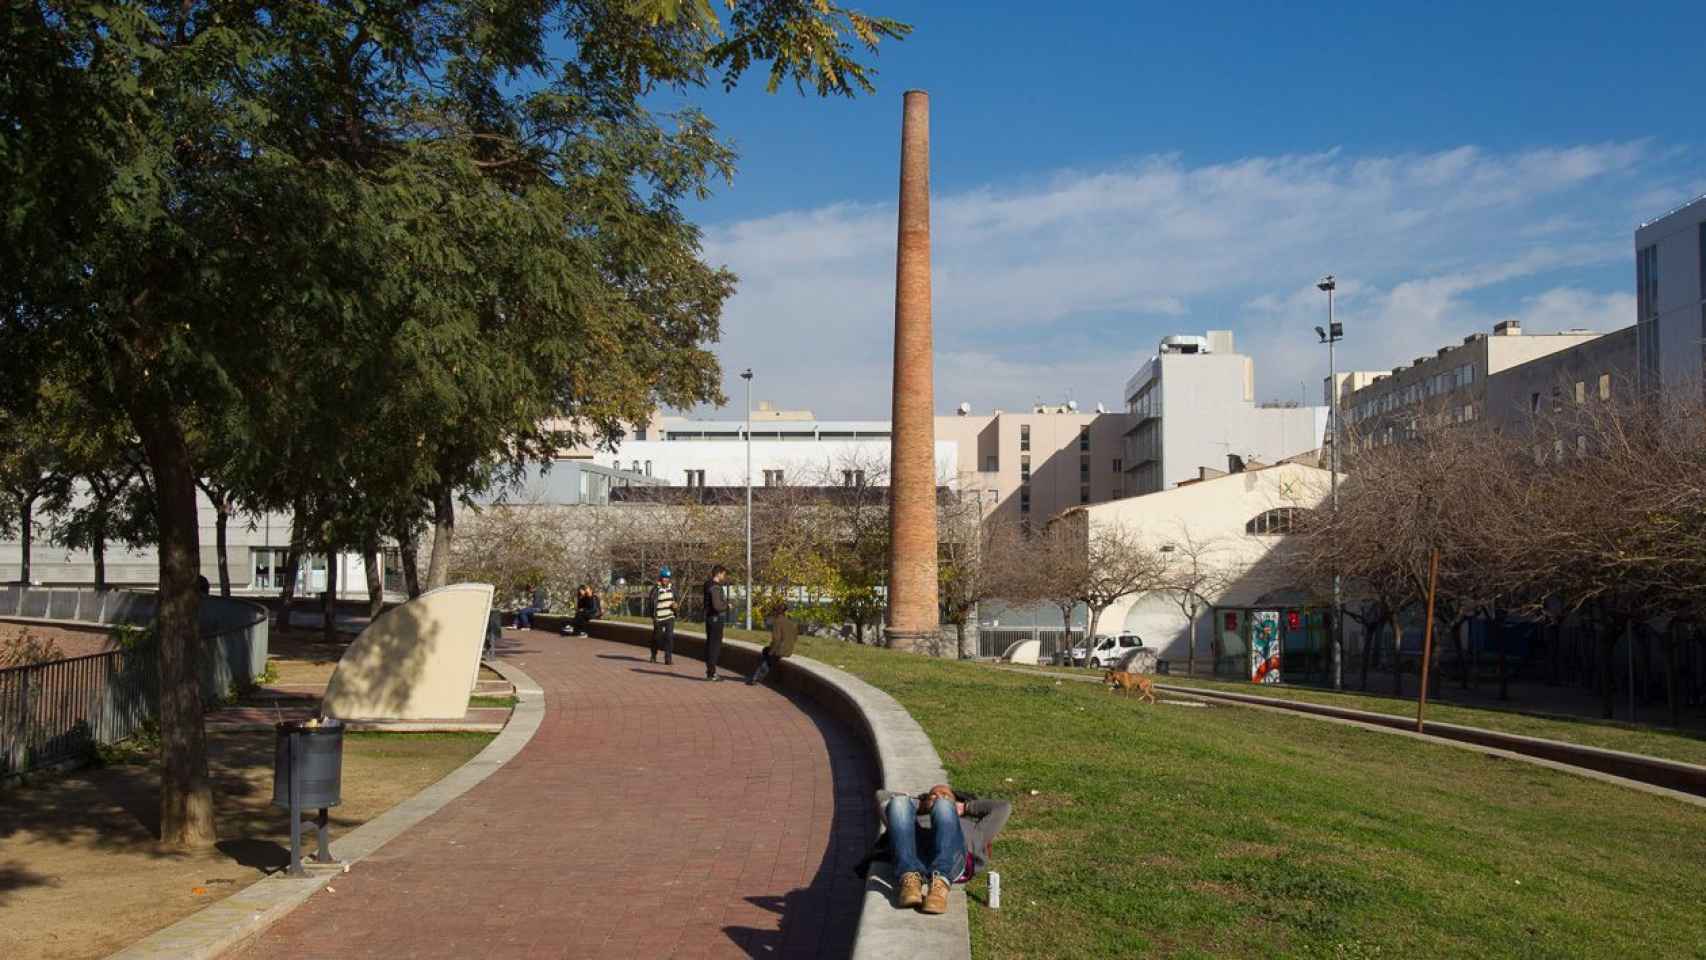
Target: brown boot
[(936, 901), (911, 890)]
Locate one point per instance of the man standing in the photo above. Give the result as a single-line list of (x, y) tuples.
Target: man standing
[(716, 610), (661, 603)]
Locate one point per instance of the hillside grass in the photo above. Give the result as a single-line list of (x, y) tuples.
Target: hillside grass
[(1218, 831)]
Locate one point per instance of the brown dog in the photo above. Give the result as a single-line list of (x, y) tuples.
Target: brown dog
[(1130, 683)]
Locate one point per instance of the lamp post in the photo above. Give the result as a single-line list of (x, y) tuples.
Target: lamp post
[(747, 376), (1333, 334)]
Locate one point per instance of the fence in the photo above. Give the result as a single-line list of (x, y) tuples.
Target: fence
[(993, 641), (57, 711)]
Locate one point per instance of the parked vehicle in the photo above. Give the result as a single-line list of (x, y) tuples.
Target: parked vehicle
[(1106, 650)]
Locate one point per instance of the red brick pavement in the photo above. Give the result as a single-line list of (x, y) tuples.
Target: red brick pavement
[(653, 815)]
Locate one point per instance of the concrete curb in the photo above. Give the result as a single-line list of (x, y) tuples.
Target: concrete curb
[(1596, 763), (906, 761), (223, 925)]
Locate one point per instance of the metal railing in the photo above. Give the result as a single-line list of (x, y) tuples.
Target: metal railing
[(58, 711), (994, 641)]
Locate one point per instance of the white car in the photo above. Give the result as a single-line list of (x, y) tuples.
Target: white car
[(1107, 650)]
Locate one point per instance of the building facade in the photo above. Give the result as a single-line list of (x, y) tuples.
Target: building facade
[(1670, 298), (1450, 386), (1193, 405), (1600, 369)]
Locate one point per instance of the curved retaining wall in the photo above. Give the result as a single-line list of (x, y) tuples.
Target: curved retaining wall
[(905, 761), (234, 631)]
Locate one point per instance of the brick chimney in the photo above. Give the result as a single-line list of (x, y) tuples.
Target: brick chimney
[(912, 613)]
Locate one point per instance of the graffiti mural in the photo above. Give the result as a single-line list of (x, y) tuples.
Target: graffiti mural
[(1265, 646)]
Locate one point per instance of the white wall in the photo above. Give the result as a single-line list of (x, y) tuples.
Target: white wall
[(803, 462)]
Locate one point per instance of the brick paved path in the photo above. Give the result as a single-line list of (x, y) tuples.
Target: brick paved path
[(653, 815)]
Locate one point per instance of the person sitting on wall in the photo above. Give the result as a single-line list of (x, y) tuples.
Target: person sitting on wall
[(538, 604), (943, 835), (588, 608), (784, 633)]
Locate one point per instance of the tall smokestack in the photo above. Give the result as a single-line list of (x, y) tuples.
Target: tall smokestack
[(912, 614)]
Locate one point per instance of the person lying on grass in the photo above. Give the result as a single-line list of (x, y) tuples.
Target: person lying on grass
[(943, 835)]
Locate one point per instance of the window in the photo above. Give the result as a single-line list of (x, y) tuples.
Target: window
[(1084, 439), (1024, 436), (648, 468), (1084, 493), (772, 478), (639, 433), (1274, 522), (1024, 499), (1117, 465), (849, 478), (1534, 403), (634, 467), (696, 478), (991, 464), (1605, 386), (1025, 469), (1581, 446), (1647, 315), (1581, 392), (1084, 468)]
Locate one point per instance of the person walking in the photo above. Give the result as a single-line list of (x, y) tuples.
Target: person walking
[(784, 632), (716, 611), (661, 603)]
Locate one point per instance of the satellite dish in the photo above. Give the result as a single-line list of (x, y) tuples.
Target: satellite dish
[(965, 409), (1072, 405)]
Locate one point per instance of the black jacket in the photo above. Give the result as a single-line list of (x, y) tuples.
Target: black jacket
[(716, 602)]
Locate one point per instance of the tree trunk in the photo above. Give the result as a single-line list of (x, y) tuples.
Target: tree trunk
[(1397, 658), (443, 531), (1608, 669), (329, 602), (411, 562), (1673, 639), (186, 800), (1468, 658), (26, 536), (1191, 643), (292, 560), (375, 579), (960, 633), (1369, 632), (98, 550), (222, 519)]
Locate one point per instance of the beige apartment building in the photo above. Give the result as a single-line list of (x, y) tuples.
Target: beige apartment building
[(1450, 386), (1033, 465)]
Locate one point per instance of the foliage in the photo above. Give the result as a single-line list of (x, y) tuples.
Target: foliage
[(26, 649)]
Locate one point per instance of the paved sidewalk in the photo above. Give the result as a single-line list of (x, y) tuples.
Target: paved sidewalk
[(653, 815)]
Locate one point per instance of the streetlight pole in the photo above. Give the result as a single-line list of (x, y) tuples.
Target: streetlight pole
[(1334, 332), (747, 376)]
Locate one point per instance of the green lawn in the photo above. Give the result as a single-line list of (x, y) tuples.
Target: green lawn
[(1688, 747), (1173, 831)]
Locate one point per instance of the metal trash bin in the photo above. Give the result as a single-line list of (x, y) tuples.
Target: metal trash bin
[(308, 773)]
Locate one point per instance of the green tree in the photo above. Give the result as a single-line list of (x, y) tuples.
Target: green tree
[(389, 240)]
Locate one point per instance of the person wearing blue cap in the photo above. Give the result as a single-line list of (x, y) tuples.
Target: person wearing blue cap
[(661, 604)]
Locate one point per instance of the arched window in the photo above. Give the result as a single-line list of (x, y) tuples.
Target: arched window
[(1280, 520)]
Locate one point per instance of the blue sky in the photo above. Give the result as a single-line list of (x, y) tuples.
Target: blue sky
[(1107, 173)]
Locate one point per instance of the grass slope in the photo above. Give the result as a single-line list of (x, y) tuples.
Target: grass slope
[(1222, 832)]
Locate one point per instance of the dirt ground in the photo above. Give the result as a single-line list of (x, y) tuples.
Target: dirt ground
[(80, 875), (71, 641)]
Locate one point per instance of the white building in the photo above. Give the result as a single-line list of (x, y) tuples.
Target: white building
[(1193, 405), (1670, 297), (1230, 528)]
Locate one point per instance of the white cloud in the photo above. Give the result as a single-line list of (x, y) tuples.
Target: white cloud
[(1064, 282)]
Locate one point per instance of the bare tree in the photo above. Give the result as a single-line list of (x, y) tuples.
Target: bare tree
[(1196, 571)]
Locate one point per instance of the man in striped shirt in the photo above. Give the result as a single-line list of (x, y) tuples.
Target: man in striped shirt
[(661, 602)]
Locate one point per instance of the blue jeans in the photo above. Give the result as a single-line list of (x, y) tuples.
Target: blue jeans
[(947, 844), (524, 617)]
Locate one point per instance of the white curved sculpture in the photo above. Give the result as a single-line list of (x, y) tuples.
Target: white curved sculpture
[(418, 661), (1023, 651)]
